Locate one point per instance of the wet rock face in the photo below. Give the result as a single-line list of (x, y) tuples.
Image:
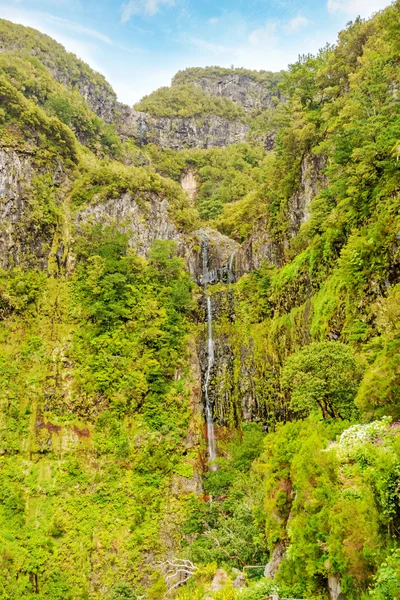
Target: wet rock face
[(258, 247), (144, 221), (313, 180), (241, 89), (23, 240), (221, 253)]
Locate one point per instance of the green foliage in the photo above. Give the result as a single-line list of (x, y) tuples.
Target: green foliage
[(186, 100), (230, 175), (387, 583), (229, 530), (110, 180), (52, 138), (20, 290), (44, 52), (98, 442), (36, 84), (332, 500), (194, 74), (324, 375), (88, 389)]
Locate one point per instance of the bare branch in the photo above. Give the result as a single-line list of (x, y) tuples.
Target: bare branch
[(178, 569)]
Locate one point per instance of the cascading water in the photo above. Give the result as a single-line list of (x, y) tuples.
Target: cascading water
[(212, 447), (231, 275), (211, 442)]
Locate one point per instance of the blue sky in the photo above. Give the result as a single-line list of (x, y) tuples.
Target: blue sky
[(139, 44)]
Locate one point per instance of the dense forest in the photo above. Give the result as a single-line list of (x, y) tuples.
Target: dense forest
[(223, 259)]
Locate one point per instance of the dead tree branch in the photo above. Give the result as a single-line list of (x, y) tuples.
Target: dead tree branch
[(177, 572)]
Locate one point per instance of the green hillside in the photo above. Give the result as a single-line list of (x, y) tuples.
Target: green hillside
[(109, 273)]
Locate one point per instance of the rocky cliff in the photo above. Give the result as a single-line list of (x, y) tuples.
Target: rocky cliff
[(245, 90), (180, 133)]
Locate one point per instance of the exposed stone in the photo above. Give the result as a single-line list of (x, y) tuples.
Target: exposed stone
[(240, 88), (335, 592), (179, 133), (144, 221), (183, 485), (272, 567), (189, 183), (240, 582), (313, 180), (219, 580), (99, 95), (22, 239), (258, 247), (221, 256)]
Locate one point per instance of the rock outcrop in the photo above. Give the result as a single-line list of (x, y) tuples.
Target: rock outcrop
[(24, 239), (221, 252), (334, 587), (258, 247), (312, 181), (180, 133), (240, 88), (278, 554), (143, 221), (188, 182)]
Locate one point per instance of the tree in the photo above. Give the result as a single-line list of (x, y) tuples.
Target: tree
[(324, 375)]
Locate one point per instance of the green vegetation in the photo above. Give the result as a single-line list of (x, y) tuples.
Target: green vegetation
[(188, 100), (22, 125), (95, 385), (40, 49), (28, 76), (231, 175), (102, 455), (323, 375), (195, 74)]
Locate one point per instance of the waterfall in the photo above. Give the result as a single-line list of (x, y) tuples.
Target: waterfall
[(231, 274), (212, 447), (211, 443)]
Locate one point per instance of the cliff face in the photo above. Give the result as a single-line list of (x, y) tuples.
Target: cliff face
[(241, 89), (180, 133), (312, 182), (144, 220), (205, 129), (28, 199)]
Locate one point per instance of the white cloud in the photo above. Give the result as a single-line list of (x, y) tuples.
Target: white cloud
[(87, 31), (213, 20), (353, 8), (210, 46), (296, 23), (143, 7), (48, 23)]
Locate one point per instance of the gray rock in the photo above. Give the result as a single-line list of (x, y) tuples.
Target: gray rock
[(179, 133), (188, 182), (240, 582), (274, 564), (144, 221), (312, 182), (23, 240), (335, 592), (219, 580), (241, 89)]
